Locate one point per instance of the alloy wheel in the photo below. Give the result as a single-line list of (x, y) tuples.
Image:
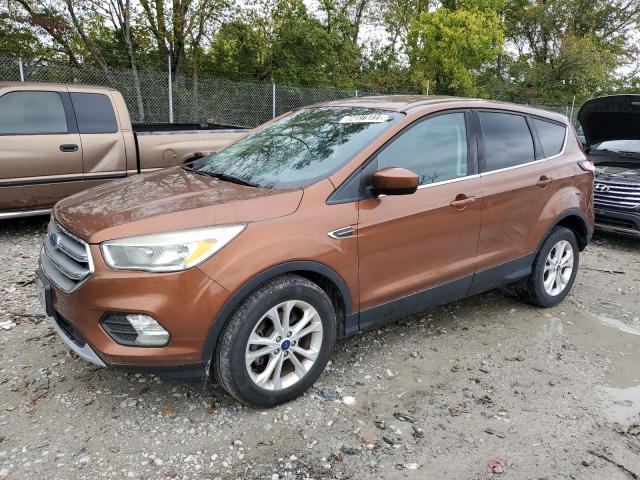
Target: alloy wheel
[(558, 268), (284, 345)]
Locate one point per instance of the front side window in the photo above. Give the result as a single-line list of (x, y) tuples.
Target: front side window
[(434, 149), (94, 113), (507, 140), (301, 148), (32, 113)]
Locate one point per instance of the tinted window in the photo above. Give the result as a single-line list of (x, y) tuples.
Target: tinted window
[(301, 148), (94, 113), (551, 136), (435, 149), (507, 140), (32, 113)]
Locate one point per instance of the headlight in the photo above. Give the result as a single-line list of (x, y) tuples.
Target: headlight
[(168, 252)]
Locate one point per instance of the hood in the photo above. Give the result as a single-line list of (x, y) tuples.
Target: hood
[(616, 117), (166, 200)]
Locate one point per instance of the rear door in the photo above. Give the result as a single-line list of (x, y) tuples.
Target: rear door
[(425, 243), (103, 147), (40, 150), (517, 182)]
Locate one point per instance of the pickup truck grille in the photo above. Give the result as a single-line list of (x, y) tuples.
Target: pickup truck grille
[(615, 193), (65, 259)]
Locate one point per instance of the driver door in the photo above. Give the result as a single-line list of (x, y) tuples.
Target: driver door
[(420, 250)]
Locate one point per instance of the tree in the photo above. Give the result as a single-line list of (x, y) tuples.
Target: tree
[(119, 13), (569, 47), (306, 52), (18, 39), (450, 45)]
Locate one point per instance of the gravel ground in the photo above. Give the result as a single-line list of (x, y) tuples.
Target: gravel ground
[(487, 387)]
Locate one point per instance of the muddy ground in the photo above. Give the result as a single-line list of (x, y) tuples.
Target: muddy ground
[(487, 387)]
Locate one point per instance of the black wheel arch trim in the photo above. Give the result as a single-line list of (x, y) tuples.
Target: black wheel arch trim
[(260, 279), (572, 212)]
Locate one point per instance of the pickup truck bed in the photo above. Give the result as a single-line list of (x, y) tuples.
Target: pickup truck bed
[(56, 140)]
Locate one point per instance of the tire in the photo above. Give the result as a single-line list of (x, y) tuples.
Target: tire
[(253, 384), (535, 290)]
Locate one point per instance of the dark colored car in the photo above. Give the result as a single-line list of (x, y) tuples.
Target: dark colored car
[(327, 221), (611, 127)]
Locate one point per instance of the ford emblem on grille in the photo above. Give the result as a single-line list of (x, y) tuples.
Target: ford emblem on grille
[(54, 240), (601, 187)]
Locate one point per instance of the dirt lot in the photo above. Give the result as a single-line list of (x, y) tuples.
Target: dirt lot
[(484, 388)]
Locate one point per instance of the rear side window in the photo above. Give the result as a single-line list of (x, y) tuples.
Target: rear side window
[(507, 140), (551, 136), (29, 112), (434, 149), (94, 113)]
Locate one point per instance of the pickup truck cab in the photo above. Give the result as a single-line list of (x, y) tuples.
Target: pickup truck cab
[(56, 140), (327, 221)]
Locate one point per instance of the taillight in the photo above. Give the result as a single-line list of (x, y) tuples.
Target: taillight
[(587, 165)]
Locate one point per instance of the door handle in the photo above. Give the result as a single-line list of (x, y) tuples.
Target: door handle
[(544, 181), (69, 147), (462, 201)]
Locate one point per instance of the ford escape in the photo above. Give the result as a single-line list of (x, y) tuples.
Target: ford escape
[(329, 220)]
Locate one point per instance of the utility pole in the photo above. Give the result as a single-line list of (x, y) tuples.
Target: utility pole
[(170, 92), (273, 99)]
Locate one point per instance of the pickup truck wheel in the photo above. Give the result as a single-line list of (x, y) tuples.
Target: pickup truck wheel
[(554, 269), (277, 343)]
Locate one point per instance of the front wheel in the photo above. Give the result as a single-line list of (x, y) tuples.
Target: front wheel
[(554, 269), (277, 343)]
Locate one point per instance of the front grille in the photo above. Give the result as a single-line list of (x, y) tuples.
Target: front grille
[(616, 193), (65, 259)]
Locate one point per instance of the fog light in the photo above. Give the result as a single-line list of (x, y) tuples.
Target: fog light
[(135, 329)]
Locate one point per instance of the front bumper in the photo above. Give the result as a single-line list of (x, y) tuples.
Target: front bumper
[(184, 303), (616, 221), (83, 350)]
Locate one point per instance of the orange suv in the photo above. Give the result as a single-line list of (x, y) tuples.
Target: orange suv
[(324, 222)]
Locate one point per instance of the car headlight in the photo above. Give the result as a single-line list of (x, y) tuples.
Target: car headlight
[(168, 252)]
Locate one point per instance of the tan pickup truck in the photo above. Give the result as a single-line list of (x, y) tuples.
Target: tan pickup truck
[(56, 140)]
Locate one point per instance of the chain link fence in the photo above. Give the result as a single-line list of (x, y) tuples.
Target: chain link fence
[(153, 96)]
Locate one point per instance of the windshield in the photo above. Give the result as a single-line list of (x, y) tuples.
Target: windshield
[(619, 146), (301, 148)]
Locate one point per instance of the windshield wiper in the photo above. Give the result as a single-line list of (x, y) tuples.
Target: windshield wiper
[(222, 176)]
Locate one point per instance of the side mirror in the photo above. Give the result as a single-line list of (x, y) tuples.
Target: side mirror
[(394, 181)]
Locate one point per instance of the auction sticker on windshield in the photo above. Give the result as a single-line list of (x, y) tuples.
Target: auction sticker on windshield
[(371, 118)]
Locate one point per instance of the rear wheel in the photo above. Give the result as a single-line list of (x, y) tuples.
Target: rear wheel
[(277, 343), (554, 269)]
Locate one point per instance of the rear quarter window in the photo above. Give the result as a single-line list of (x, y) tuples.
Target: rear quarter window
[(94, 113), (551, 135), (507, 140)]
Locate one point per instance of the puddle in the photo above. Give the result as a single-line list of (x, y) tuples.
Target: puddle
[(622, 405), (619, 324), (618, 343)]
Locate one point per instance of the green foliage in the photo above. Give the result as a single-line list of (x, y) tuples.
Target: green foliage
[(237, 51), (539, 51), (568, 48), (450, 46), (17, 39), (304, 51)]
